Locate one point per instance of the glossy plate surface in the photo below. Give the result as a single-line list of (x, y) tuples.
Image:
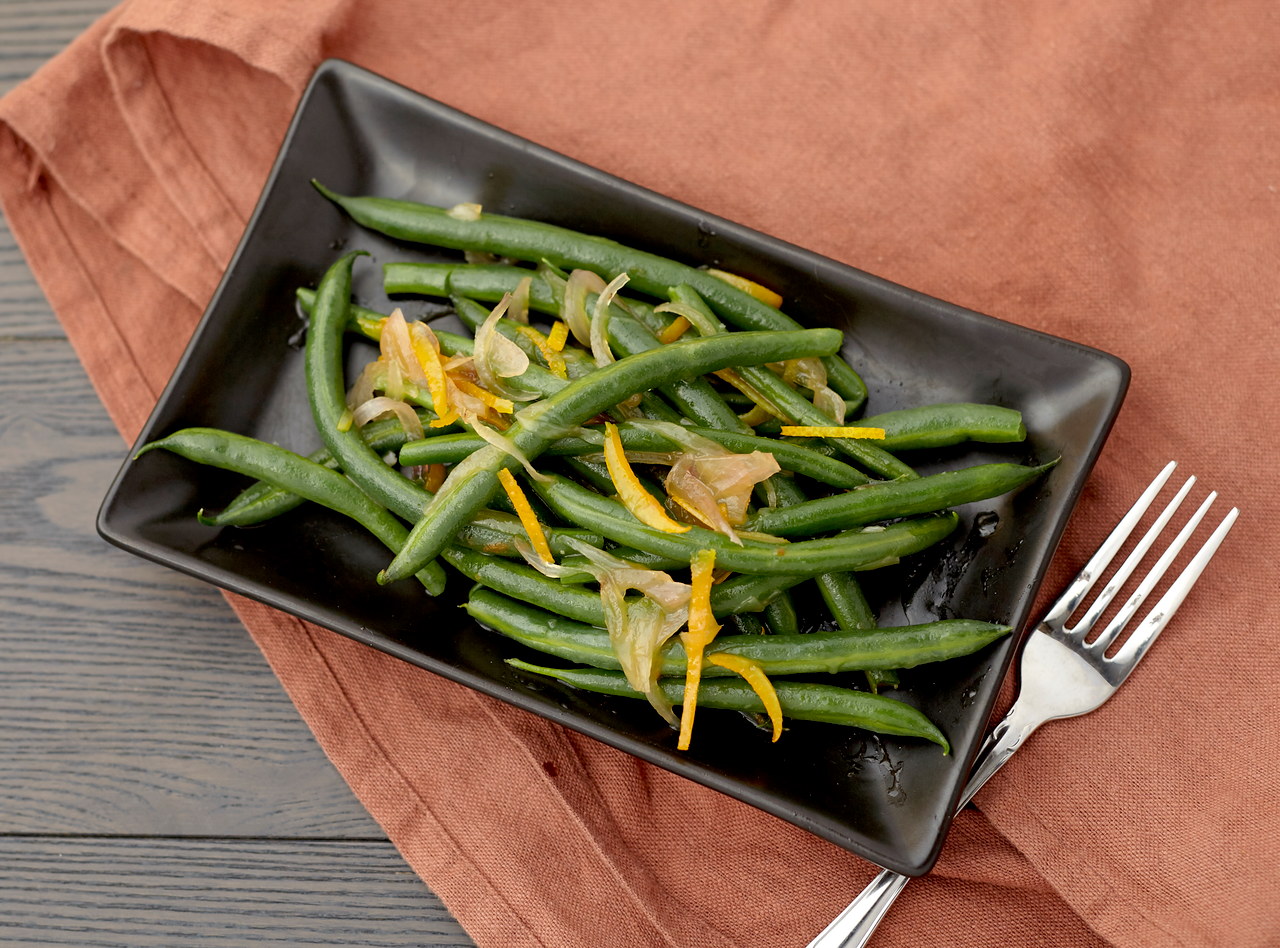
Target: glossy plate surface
[(887, 800)]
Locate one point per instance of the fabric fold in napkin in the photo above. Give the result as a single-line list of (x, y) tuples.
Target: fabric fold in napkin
[(1101, 171)]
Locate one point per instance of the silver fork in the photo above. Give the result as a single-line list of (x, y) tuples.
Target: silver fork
[(1063, 675)]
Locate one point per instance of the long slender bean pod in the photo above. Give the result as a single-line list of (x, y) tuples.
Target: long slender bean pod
[(942, 425), (262, 501), (800, 701), (797, 409), (471, 483), (855, 550), (533, 241), (905, 646), (451, 448), (889, 499), (518, 581), (327, 393), (298, 475)]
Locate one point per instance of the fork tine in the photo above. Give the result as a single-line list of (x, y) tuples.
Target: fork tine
[(1125, 612), (1121, 575), (1132, 651), (1070, 600)]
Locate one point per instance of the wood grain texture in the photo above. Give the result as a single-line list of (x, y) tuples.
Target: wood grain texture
[(133, 700), (157, 787), (33, 31), (139, 892)]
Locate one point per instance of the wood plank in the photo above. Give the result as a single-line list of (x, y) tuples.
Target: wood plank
[(24, 312), (131, 699), (139, 892), (33, 31)]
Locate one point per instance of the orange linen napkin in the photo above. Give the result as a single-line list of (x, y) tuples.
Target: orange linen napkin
[(1105, 171)]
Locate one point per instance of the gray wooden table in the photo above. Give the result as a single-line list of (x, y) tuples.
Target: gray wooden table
[(156, 785)]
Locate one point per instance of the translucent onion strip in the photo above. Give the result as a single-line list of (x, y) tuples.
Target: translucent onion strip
[(381, 405), (507, 446), (638, 629), (495, 357), (599, 328), (573, 309)]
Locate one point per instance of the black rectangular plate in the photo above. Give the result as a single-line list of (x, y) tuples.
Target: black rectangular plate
[(888, 800)]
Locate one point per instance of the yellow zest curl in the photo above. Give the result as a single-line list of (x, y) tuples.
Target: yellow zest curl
[(759, 683), (426, 350), (762, 293), (642, 504), (702, 630), (553, 358), (496, 402), (558, 336), (528, 519), (832, 431)]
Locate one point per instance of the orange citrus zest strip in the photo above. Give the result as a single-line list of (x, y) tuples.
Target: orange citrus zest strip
[(759, 683), (747, 389), (496, 402), (762, 293), (702, 629), (642, 504), (833, 431), (554, 360), (429, 358), (675, 329), (528, 519)]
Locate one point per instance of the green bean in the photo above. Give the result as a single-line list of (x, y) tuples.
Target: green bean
[(800, 701), (326, 391), (298, 475), (261, 501), (533, 241), (327, 394), (940, 426), (450, 449), (526, 584), (577, 363), (890, 499), (471, 483), (780, 616), (779, 397), (368, 323), (579, 641), (842, 593), (489, 282), (497, 534), (855, 550), (627, 335), (746, 593)]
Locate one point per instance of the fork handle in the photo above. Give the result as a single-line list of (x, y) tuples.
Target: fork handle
[(860, 918), (854, 927)]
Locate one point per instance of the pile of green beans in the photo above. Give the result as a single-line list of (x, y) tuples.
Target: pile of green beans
[(838, 508)]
